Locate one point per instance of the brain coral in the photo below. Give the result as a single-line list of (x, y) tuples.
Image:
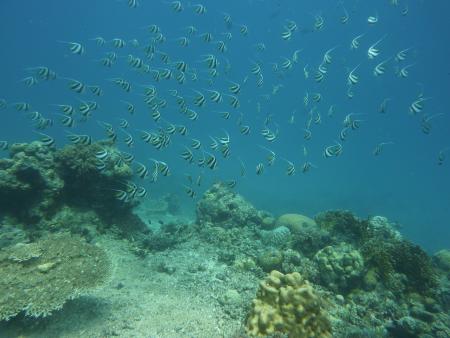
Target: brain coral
[(40, 277), (340, 266), (287, 304), (295, 222)]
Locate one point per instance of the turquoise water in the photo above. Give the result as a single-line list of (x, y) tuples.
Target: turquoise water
[(404, 183)]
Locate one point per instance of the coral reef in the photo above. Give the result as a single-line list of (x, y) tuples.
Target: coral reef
[(343, 225), (40, 277), (44, 188), (310, 238), (289, 305), (224, 208), (373, 282), (270, 260), (442, 259), (391, 258), (340, 267), (278, 237), (86, 185), (362, 267), (380, 228), (30, 186), (295, 222)]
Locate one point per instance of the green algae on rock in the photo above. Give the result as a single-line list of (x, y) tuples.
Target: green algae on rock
[(38, 278)]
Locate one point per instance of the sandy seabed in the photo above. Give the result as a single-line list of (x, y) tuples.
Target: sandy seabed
[(140, 301)]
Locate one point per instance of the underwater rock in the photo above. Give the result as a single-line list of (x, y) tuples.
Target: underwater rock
[(270, 260), (287, 304), (343, 225), (30, 186), (340, 267), (22, 252), (42, 188), (379, 227), (10, 235), (88, 187), (173, 203), (169, 235), (164, 267), (371, 279), (442, 260), (295, 222), (79, 162), (295, 262), (406, 327), (83, 222), (224, 208), (268, 223), (38, 278), (245, 264), (278, 237), (310, 238), (231, 297), (394, 257)]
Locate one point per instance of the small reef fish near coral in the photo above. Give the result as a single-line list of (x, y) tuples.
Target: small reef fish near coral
[(186, 169)]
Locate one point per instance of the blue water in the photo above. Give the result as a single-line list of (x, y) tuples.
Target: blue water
[(404, 183)]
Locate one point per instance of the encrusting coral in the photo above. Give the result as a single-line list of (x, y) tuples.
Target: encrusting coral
[(287, 304), (40, 277)]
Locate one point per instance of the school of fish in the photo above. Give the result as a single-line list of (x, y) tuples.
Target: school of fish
[(210, 86)]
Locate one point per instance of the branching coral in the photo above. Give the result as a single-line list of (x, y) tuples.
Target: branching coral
[(344, 224), (401, 256)]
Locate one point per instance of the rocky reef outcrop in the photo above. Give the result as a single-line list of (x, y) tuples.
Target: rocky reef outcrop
[(40, 185), (224, 208)]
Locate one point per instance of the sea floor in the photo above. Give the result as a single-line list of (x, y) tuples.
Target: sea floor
[(164, 294)]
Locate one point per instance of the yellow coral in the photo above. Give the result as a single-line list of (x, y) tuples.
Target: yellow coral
[(287, 304)]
